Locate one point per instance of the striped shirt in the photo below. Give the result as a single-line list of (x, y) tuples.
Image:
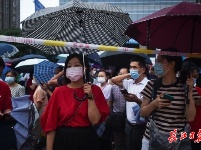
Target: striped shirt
[(171, 117)]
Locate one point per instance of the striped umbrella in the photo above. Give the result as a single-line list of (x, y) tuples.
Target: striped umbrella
[(76, 21)]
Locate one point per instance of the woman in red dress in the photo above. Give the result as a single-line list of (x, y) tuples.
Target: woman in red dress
[(67, 121)]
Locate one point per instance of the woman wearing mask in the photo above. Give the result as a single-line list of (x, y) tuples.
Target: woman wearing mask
[(106, 88), (68, 121), (168, 115), (16, 89), (105, 140)]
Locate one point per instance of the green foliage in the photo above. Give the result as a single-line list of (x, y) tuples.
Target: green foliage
[(11, 32)]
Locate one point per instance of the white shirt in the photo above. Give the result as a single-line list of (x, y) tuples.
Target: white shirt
[(107, 91), (136, 89)]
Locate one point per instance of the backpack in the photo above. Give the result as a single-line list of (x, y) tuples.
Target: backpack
[(157, 84)]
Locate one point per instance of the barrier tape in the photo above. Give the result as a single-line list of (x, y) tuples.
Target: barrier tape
[(92, 46)]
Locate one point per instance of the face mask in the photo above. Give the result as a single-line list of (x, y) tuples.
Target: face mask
[(34, 82), (158, 69), (134, 74), (101, 79), (74, 73), (9, 80), (194, 80), (94, 72)]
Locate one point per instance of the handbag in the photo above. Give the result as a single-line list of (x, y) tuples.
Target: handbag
[(116, 121), (159, 139)]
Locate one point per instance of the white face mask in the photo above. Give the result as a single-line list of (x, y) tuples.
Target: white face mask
[(74, 73), (101, 79), (94, 72), (34, 82)]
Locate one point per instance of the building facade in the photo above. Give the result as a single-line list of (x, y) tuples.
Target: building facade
[(9, 14), (137, 8)]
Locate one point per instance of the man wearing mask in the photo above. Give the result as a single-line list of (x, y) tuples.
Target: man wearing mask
[(134, 127)]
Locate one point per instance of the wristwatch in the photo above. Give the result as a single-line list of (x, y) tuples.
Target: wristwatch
[(91, 97)]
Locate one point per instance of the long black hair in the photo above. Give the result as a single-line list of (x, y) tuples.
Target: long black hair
[(14, 73), (176, 59), (80, 58), (187, 68)]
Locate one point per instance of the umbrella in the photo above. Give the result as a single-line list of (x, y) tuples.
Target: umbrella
[(28, 62), (27, 65), (44, 71), (121, 59), (8, 61), (177, 26), (131, 44), (7, 50), (76, 21), (92, 58), (25, 113), (25, 57)]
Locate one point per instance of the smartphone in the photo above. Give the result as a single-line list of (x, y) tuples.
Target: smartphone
[(167, 96), (124, 91)]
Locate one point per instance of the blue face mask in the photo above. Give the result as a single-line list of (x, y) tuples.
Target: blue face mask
[(9, 80), (158, 69), (134, 74)]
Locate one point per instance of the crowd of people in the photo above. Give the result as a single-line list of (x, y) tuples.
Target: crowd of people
[(89, 108)]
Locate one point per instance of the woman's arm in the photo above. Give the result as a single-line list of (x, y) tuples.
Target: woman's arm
[(93, 112), (148, 106), (190, 108), (46, 88), (53, 81), (50, 140)]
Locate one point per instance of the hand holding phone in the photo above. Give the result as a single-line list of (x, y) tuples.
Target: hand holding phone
[(124, 91), (167, 96)]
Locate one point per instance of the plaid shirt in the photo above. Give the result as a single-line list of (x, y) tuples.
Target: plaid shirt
[(119, 103)]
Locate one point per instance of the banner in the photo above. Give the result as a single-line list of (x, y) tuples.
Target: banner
[(92, 46)]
